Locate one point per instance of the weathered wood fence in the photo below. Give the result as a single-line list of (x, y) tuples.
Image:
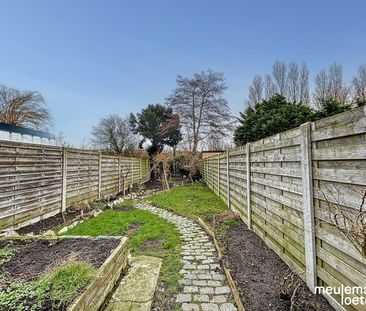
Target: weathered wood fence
[(286, 188), (38, 181)]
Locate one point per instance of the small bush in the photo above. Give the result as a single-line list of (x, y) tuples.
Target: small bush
[(99, 205)]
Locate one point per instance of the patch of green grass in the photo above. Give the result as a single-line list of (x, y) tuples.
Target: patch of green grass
[(147, 228), (67, 280), (58, 286), (6, 253), (191, 200), (199, 200)]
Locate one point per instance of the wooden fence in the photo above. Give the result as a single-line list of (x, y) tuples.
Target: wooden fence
[(287, 187), (38, 181)]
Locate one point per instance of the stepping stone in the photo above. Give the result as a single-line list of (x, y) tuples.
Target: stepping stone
[(136, 290)]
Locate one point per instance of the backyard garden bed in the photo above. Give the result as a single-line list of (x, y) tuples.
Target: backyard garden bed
[(149, 235), (55, 273), (51, 223), (265, 282)]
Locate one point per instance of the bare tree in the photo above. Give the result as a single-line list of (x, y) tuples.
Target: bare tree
[(321, 87), (290, 81), (23, 108), (293, 82), (113, 133), (359, 85), (329, 85), (337, 89), (200, 104), (256, 91), (304, 96), (298, 83), (279, 74), (269, 87)]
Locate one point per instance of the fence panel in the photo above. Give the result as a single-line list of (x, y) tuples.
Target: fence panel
[(30, 182), (339, 178), (82, 175), (302, 176), (38, 181)]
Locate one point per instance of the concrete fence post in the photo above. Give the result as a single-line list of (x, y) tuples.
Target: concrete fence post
[(119, 174), (308, 203), (207, 171), (249, 189), (140, 163), (100, 176), (64, 179), (228, 179), (132, 170), (218, 175)]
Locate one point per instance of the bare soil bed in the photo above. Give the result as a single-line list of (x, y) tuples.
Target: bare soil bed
[(50, 223), (74, 212), (265, 282), (32, 257)]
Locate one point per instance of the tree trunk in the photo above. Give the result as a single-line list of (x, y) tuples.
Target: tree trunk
[(174, 163)]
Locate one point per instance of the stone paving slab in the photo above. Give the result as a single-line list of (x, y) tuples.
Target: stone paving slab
[(137, 288), (204, 286)]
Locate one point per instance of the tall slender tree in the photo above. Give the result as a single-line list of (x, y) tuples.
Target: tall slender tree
[(359, 85), (279, 74), (256, 91), (200, 104)]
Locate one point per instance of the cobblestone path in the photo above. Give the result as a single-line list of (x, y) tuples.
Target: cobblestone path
[(204, 283)]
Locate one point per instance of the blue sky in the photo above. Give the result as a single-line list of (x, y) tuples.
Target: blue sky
[(92, 58)]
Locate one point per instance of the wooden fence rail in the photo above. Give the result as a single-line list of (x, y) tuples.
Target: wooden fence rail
[(38, 181), (286, 188)]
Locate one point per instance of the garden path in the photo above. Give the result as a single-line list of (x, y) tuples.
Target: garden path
[(204, 284)]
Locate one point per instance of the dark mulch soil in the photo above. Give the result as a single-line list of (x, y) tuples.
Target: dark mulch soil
[(153, 184), (36, 256), (49, 223), (259, 272)]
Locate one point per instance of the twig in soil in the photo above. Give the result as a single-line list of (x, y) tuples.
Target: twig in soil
[(293, 297), (287, 284)]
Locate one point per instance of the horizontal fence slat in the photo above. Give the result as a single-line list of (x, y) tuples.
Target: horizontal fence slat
[(338, 171)]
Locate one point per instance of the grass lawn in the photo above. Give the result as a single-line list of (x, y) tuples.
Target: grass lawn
[(199, 200), (149, 235), (196, 200), (153, 236)]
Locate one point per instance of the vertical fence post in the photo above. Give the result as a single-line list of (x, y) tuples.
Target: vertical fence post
[(119, 174), (64, 179), (206, 170), (100, 176), (249, 188), (228, 179), (140, 162), (308, 202), (132, 171), (218, 175)]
